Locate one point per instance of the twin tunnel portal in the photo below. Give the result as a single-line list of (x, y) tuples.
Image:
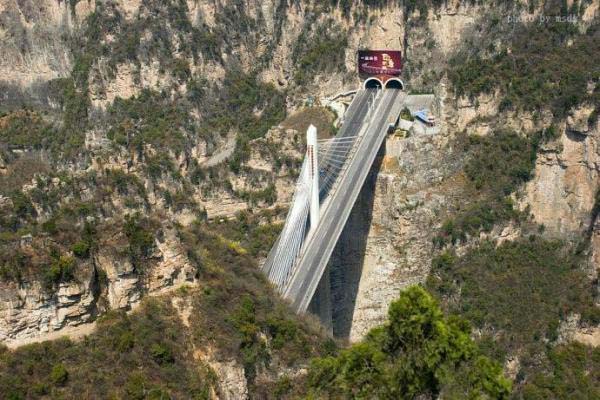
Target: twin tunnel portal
[(330, 181), (379, 82)]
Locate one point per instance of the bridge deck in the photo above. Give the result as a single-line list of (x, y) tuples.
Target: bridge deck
[(317, 250)]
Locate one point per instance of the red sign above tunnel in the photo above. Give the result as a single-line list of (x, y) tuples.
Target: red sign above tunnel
[(380, 62)]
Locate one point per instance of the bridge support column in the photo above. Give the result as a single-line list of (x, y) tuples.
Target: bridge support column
[(312, 150), (320, 304)]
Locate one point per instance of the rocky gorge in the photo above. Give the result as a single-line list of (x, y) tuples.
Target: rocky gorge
[(130, 123)]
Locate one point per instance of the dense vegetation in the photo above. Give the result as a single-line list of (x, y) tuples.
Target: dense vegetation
[(419, 352), (149, 118), (500, 287), (319, 49), (571, 371), (25, 129), (496, 165), (535, 70), (152, 353), (138, 356)]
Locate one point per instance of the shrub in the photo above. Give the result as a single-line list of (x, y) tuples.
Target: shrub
[(22, 206), (161, 353), (418, 352), (141, 238), (136, 387), (61, 269), (81, 249), (181, 69), (59, 375)]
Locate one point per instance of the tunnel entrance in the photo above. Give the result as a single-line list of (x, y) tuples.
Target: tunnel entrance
[(394, 83), (373, 83)]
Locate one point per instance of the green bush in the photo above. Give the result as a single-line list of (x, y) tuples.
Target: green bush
[(60, 270), (124, 183), (81, 249), (59, 375), (161, 353), (418, 352), (140, 236), (22, 206)]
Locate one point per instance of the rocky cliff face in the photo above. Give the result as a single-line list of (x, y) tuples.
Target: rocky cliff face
[(563, 192), (30, 311), (417, 183), (420, 181)]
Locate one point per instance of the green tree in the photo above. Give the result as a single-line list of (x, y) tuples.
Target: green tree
[(418, 352)]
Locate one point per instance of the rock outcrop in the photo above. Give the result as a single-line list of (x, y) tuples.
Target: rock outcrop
[(28, 310), (567, 177), (416, 183), (109, 281)]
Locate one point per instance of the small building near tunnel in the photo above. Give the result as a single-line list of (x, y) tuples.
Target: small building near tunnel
[(380, 68)]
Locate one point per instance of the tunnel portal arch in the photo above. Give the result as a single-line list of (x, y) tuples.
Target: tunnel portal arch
[(373, 83), (394, 83)]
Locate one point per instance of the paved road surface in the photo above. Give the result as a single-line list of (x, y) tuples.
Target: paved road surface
[(319, 246), (355, 116)]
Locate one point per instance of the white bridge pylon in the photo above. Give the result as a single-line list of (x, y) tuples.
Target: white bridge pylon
[(312, 152), (323, 163)]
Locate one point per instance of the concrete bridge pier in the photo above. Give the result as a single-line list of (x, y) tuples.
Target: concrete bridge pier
[(334, 301), (321, 305)]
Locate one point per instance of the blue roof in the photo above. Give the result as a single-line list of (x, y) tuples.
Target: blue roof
[(421, 115)]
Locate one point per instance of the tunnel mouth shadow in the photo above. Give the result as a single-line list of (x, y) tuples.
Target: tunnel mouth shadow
[(394, 83), (345, 266), (373, 83)]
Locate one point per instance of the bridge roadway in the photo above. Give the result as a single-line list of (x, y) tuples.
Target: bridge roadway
[(373, 127), (352, 124)]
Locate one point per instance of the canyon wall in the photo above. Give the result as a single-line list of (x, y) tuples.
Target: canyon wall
[(417, 182)]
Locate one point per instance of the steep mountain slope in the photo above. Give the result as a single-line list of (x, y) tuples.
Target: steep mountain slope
[(152, 145)]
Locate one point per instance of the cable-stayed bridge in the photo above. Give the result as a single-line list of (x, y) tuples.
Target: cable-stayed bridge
[(332, 174)]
